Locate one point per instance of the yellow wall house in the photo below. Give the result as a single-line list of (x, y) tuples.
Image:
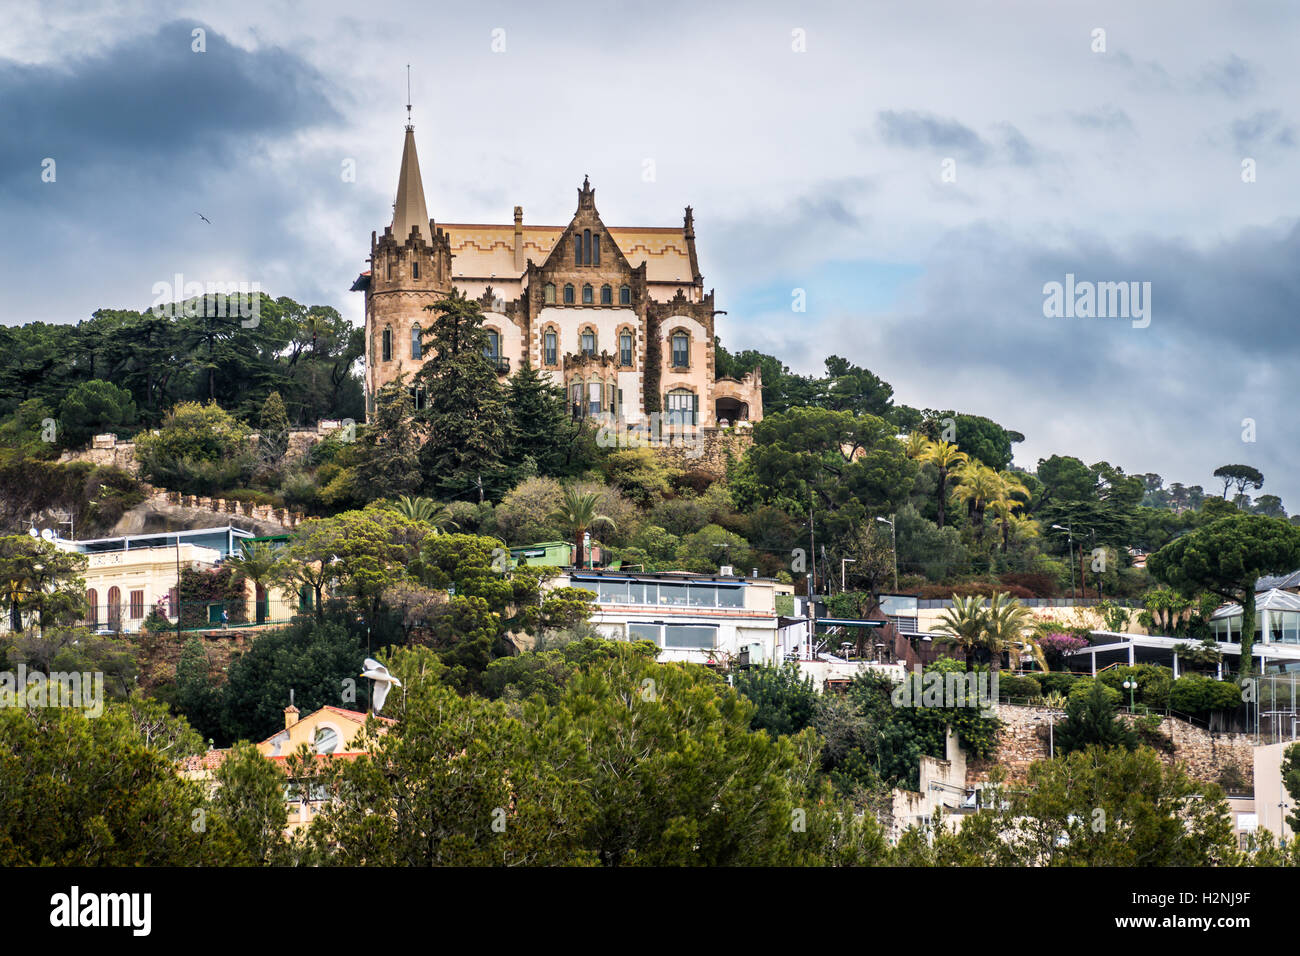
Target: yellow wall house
[(328, 732)]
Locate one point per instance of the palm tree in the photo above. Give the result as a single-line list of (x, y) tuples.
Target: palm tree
[(945, 457), (1007, 501), (915, 444), (426, 510), (577, 512), (259, 563), (1005, 623), (977, 485), (962, 624)]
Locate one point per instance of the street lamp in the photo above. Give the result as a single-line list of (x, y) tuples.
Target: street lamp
[(1131, 687), (893, 538), (1070, 534)]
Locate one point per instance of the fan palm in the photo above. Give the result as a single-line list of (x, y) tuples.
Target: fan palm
[(577, 512), (963, 624), (259, 563), (426, 510), (1005, 623), (948, 460)]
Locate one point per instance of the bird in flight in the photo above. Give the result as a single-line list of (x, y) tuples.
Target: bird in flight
[(203, 217), (378, 673)]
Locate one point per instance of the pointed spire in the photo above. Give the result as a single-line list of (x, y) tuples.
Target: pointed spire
[(409, 209)]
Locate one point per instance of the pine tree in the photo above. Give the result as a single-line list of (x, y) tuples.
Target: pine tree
[(389, 463), (540, 427), (273, 426), (465, 415), (1090, 718)]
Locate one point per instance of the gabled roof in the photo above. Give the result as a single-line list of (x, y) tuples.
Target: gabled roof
[(1284, 581), (1272, 600)]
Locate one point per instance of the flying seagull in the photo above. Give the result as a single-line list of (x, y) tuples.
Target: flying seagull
[(203, 217), (378, 673)]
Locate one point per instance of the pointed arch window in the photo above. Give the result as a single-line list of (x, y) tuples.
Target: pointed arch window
[(549, 293), (92, 603), (550, 347), (577, 249), (115, 608), (606, 295), (568, 293), (587, 295), (493, 349), (588, 341), (586, 250), (625, 349), (595, 249), (624, 295), (387, 349), (417, 347)]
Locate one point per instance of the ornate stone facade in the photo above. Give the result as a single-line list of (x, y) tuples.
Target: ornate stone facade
[(617, 316)]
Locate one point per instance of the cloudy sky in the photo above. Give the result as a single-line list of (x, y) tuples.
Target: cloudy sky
[(920, 170)]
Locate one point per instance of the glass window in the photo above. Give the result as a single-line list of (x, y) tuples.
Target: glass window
[(681, 350), (586, 253), (700, 595), (638, 593), (568, 294), (588, 342), (731, 597), (548, 293), (673, 594), (695, 636), (682, 407), (595, 250), (593, 398), (327, 740), (415, 270), (416, 346), (586, 295), (577, 249), (606, 295), (612, 592), (644, 632), (388, 345), (624, 295), (549, 350), (493, 350), (625, 348)]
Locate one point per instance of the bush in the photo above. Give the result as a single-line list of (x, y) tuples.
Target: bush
[(1196, 694), (1012, 686), (1056, 683)]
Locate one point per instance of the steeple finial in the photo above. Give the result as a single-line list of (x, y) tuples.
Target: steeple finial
[(408, 96)]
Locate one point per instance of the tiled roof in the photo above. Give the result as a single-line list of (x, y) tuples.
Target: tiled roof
[(205, 761)]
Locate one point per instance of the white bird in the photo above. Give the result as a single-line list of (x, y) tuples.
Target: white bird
[(378, 673)]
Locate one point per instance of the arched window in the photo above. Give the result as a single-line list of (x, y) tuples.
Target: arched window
[(92, 602), (550, 348), (683, 407), (577, 249), (568, 294), (586, 295), (588, 341), (606, 295), (586, 247), (115, 608), (417, 348), (415, 269), (388, 345), (549, 293), (493, 349), (595, 250), (625, 349), (681, 350), (624, 295)]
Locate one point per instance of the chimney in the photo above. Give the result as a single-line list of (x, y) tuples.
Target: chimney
[(519, 238), (290, 716)]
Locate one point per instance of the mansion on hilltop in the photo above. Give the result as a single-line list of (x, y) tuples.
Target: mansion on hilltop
[(617, 315)]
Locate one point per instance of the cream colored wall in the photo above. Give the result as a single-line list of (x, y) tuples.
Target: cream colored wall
[(696, 378), (152, 570), (512, 338), (1269, 791), (605, 320)]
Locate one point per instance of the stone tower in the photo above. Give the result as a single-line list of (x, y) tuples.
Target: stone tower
[(410, 268)]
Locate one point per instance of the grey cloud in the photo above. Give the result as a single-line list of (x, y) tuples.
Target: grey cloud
[(1233, 77), (916, 130)]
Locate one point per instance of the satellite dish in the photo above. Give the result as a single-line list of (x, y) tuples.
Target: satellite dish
[(34, 533), (47, 534)]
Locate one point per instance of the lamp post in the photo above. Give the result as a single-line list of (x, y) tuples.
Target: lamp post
[(1069, 534), (893, 541), (1130, 686)]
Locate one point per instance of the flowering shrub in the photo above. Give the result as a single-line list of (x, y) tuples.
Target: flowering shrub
[(1056, 645)]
